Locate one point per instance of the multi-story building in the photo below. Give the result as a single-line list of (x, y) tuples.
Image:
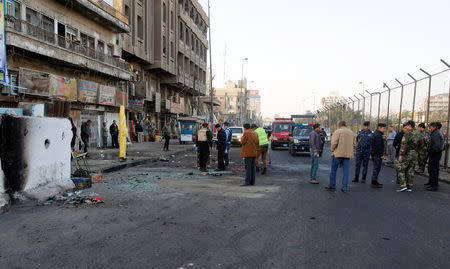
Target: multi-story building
[(231, 100), (167, 47), (65, 56), (254, 106), (333, 98), (96, 55)]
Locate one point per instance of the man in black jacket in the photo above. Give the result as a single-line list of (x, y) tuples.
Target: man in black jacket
[(86, 134), (114, 131), (221, 147), (435, 148), (377, 152)]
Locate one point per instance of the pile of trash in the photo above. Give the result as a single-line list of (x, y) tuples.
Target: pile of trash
[(75, 198)]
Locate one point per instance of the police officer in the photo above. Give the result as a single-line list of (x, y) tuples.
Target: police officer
[(363, 151), (411, 141)]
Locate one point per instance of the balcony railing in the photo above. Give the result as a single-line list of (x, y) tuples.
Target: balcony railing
[(47, 36)]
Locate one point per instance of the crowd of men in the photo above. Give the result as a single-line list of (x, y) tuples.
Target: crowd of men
[(254, 142), (406, 149)]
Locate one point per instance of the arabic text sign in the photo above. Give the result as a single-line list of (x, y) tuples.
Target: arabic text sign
[(63, 88), (87, 91), (107, 95)]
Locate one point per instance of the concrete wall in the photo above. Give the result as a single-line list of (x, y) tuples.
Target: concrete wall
[(35, 154)]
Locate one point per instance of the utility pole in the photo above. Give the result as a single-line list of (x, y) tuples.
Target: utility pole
[(211, 90), (242, 95)]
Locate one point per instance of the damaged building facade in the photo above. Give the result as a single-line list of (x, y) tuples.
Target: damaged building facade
[(86, 58), (167, 49)]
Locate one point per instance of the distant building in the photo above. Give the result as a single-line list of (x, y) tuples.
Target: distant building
[(231, 102), (332, 98), (254, 106), (438, 102)]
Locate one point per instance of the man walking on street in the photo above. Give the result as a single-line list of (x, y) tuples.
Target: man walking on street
[(423, 150), (166, 135), (397, 144), (342, 149), (74, 134), (435, 148), (323, 137), (263, 148), (114, 132), (250, 143), (229, 134), (363, 151), (221, 147), (86, 134), (408, 156), (203, 142), (390, 144), (315, 149), (377, 152), (104, 135)]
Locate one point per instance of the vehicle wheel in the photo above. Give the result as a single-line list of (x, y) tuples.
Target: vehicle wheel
[(292, 151), (181, 142)]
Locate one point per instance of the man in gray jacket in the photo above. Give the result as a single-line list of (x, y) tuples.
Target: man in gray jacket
[(315, 148), (435, 148)]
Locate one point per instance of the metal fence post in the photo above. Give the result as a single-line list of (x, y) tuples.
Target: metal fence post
[(364, 109), (389, 102), (379, 107), (401, 105), (448, 121), (427, 115), (414, 98), (370, 113), (356, 116)]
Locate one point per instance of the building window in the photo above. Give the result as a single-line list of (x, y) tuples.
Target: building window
[(187, 37), (192, 40), (181, 31), (164, 45), (172, 50), (110, 50), (140, 27), (127, 13), (101, 46), (164, 13), (172, 21)]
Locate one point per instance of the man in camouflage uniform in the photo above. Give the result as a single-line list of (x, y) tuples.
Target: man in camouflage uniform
[(411, 141), (423, 150), (363, 151)]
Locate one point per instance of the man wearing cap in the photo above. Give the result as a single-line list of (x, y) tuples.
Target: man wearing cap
[(221, 147), (363, 139)]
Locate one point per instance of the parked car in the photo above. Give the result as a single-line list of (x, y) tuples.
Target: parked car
[(299, 142), (237, 133)]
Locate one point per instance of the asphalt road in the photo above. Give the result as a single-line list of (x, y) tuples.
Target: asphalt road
[(166, 215)]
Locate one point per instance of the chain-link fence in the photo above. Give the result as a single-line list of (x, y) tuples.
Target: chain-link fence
[(423, 96)]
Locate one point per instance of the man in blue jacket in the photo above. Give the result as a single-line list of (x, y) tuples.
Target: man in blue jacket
[(377, 153), (363, 151)]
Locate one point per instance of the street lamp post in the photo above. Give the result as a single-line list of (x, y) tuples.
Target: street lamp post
[(242, 94), (211, 90)]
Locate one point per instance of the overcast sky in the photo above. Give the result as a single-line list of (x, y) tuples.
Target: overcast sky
[(299, 49)]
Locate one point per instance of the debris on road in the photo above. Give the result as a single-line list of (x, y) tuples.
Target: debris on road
[(74, 198)]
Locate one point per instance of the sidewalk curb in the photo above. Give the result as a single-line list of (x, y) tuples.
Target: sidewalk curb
[(119, 167)]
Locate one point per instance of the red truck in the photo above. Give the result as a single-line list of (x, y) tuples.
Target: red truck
[(281, 131)]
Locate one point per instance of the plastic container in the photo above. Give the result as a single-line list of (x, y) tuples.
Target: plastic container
[(82, 183)]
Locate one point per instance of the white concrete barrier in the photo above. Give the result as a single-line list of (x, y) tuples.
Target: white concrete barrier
[(35, 154), (4, 198)]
